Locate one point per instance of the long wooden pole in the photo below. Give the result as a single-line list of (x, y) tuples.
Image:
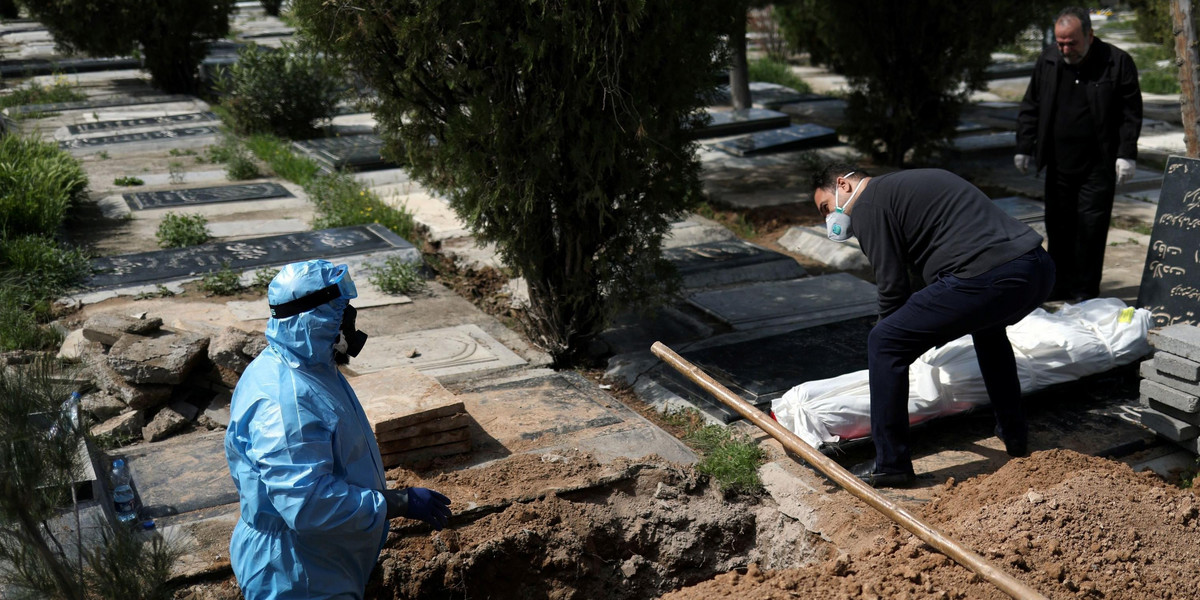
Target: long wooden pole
[(1189, 67), (1007, 583)]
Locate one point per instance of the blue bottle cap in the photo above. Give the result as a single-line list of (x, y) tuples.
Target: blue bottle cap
[(148, 524), (120, 462)]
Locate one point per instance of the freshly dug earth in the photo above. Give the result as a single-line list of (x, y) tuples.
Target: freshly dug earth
[(1069, 525), (564, 526)]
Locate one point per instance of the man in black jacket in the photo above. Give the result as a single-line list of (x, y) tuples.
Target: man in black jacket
[(1080, 120), (983, 270)]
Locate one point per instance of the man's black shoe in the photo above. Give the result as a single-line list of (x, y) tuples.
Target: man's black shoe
[(1017, 446), (866, 472)]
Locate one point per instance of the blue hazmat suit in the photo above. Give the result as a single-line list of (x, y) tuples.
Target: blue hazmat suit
[(303, 456)]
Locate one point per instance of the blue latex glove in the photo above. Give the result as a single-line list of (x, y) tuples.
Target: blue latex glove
[(429, 506)]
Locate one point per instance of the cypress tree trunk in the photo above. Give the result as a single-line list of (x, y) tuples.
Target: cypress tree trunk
[(739, 72)]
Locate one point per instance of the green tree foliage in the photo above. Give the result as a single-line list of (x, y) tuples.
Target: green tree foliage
[(558, 130), (284, 92), (1153, 23), (171, 34), (911, 66), (9, 9)]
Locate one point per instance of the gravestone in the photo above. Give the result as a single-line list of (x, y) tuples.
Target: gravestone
[(737, 122), (351, 152), (730, 261), (761, 370), (1022, 209), (181, 475), (36, 67), (1170, 287), (1009, 70), (165, 265), (811, 301), (147, 136), (765, 95), (144, 122), (443, 353), (206, 195), (92, 104), (1004, 141), (791, 138)]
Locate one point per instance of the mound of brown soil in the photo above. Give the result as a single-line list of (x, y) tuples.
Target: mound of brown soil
[(1067, 524)]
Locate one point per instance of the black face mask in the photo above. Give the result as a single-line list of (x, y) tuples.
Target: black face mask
[(355, 339)]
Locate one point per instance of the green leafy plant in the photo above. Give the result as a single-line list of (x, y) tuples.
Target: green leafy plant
[(179, 231), (567, 147), (103, 155), (176, 173), (161, 291), (178, 152), (128, 180), (239, 165), (35, 93), (777, 71), (279, 156), (171, 36), (263, 278), (223, 151), (222, 282), (730, 458), (285, 92), (342, 201), (39, 183), (396, 276)]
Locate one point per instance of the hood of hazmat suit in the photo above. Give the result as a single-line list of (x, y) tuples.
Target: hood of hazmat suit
[(303, 456)]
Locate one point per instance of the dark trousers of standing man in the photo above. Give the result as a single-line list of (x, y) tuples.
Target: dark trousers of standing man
[(1078, 211), (945, 310)]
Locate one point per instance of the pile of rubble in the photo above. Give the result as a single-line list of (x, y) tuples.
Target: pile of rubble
[(151, 382), (1170, 385)]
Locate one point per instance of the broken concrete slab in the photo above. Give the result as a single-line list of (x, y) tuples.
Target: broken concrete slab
[(1177, 366), (73, 345), (417, 442), (102, 405), (216, 414), (1176, 399), (107, 328), (435, 425), (730, 261), (163, 358), (187, 410), (813, 300), (450, 353), (164, 424), (228, 348), (125, 425), (815, 244), (1180, 340), (401, 397), (139, 397)]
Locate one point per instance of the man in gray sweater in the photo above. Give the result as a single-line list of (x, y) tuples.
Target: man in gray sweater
[(982, 271)]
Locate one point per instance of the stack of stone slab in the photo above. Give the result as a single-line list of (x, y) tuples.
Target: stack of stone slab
[(1170, 385), (414, 418)]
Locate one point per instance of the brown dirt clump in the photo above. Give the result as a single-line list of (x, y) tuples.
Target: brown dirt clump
[(1069, 525), (565, 526)]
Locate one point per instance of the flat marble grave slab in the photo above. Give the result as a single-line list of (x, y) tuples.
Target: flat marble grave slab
[(988, 142), (730, 261), (166, 265), (443, 353), (101, 126), (790, 138), (95, 103), (762, 369), (1143, 179), (205, 195), (182, 474), (351, 152), (36, 67), (737, 122), (1022, 209), (809, 301), (147, 136)]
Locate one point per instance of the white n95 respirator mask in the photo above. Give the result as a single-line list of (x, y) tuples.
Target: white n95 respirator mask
[(837, 224)]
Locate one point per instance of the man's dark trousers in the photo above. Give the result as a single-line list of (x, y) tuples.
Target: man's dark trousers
[(945, 310), (1078, 211)]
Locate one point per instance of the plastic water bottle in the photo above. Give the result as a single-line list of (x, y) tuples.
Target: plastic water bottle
[(123, 500)]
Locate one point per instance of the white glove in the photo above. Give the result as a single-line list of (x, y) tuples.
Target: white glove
[(1125, 169), (1022, 162)]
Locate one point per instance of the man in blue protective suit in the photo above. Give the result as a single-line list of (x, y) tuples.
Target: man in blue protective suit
[(314, 504)]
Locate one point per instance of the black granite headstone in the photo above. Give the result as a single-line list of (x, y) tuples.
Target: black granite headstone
[(1170, 287), (99, 103), (793, 137), (147, 136), (737, 122), (761, 370), (95, 126), (730, 261), (351, 153), (165, 265), (206, 195), (37, 67), (765, 95), (1009, 70)]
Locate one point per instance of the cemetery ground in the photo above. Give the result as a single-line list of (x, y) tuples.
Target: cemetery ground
[(588, 483)]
